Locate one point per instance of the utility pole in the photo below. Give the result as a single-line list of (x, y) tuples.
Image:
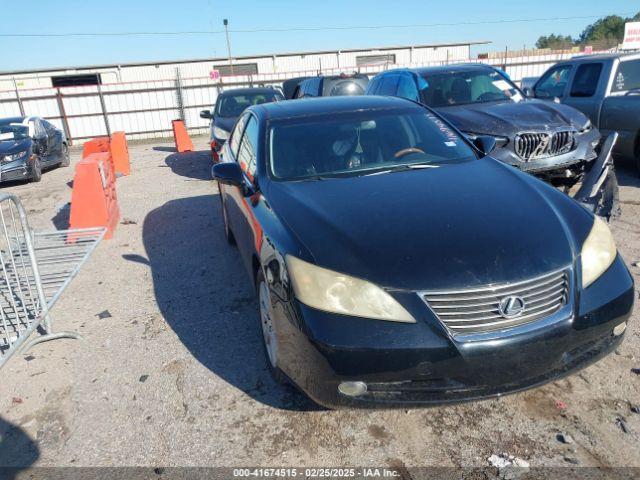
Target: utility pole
[(226, 30)]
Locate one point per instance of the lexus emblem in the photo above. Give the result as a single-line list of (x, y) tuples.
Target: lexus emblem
[(511, 307)]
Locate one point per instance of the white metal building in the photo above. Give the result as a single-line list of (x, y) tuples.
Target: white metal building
[(282, 63)]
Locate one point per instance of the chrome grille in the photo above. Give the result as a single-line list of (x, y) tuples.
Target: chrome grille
[(478, 310), (532, 146)]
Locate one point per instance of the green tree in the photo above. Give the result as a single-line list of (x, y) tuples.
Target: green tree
[(554, 41), (607, 28)]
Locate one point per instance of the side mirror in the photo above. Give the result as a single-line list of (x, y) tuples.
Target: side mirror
[(229, 173), (485, 144), (528, 92), (205, 114)]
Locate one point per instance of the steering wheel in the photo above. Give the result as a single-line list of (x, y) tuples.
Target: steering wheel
[(407, 151)]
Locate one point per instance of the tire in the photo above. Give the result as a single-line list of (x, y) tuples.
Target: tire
[(267, 328), (66, 160), (228, 234), (36, 170)]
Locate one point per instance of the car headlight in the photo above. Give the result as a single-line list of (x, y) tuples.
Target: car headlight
[(587, 127), (220, 133), (598, 252), (500, 141), (15, 156), (336, 292)]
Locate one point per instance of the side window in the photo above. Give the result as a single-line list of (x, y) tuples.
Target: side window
[(627, 76), (585, 82), (554, 82), (407, 88), (236, 135), (299, 91), (247, 155), (388, 85)]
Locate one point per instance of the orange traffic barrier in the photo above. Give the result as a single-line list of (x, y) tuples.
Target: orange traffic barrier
[(93, 200), (96, 145), (181, 137), (120, 153)]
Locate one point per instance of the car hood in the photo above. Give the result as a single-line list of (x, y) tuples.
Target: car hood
[(458, 225), (9, 147), (508, 118), (225, 123)]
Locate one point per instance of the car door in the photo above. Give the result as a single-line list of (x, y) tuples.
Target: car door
[(40, 140), (54, 140), (249, 230), (585, 85), (231, 196)]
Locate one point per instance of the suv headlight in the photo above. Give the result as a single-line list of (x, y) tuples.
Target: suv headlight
[(336, 292), (587, 127), (598, 252), (15, 156), (220, 133), (500, 141)]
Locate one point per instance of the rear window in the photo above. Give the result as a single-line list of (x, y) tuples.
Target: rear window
[(344, 86), (361, 143), (234, 105), (627, 76)]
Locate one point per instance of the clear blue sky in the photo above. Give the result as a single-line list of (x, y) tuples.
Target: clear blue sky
[(70, 16)]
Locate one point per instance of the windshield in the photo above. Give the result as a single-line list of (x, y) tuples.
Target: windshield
[(462, 88), (13, 131), (362, 143), (234, 105)]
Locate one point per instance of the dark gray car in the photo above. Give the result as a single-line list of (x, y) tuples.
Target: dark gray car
[(550, 140), (229, 106)]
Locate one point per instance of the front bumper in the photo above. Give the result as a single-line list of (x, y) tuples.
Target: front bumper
[(421, 363), (583, 152), (16, 170)]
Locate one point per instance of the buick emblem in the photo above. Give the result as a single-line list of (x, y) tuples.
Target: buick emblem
[(511, 307)]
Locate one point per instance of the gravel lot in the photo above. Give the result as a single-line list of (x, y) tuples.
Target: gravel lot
[(175, 376)]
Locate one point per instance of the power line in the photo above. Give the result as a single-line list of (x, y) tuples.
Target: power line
[(302, 29)]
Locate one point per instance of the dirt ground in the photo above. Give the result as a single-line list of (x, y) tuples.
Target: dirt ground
[(175, 375)]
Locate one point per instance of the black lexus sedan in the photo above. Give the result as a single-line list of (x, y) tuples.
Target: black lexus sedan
[(554, 141), (398, 263), (229, 106), (29, 145)]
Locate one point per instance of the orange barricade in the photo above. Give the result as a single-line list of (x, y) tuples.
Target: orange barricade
[(93, 200), (120, 153), (181, 137), (96, 145)]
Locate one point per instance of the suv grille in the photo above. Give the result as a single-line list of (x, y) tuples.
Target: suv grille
[(531, 146), (480, 310)]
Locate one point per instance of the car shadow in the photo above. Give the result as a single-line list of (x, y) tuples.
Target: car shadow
[(164, 149), (628, 176), (205, 295), (17, 450), (196, 165)]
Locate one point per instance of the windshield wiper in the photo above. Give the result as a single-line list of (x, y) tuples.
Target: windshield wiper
[(401, 168)]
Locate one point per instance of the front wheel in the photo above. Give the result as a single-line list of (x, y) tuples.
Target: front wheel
[(36, 170), (269, 336)]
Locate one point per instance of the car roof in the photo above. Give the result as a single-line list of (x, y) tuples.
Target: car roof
[(330, 105), (248, 90), (13, 119), (459, 67), (601, 56)]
